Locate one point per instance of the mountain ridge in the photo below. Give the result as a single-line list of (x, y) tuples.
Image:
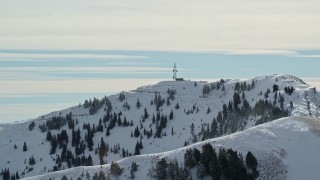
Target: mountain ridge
[(275, 153), (199, 106)]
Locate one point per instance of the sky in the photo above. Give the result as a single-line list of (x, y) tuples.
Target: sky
[(55, 54)]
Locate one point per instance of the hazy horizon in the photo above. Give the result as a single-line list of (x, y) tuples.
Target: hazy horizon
[(36, 82)]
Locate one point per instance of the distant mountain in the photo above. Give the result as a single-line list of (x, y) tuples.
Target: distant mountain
[(165, 117)]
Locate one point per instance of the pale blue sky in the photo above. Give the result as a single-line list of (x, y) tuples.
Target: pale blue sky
[(34, 82), (54, 54)]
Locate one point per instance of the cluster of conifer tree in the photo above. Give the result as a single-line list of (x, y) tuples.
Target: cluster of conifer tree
[(96, 104), (289, 90), (6, 175), (242, 86), (224, 164), (233, 116), (169, 169)]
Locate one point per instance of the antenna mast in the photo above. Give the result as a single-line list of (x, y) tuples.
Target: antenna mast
[(175, 72)]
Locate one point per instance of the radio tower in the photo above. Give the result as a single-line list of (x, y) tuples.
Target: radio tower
[(175, 72)]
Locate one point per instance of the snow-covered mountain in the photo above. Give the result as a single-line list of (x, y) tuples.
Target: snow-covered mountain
[(165, 117), (286, 148)]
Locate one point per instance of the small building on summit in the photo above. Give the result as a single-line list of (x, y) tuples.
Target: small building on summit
[(175, 73)]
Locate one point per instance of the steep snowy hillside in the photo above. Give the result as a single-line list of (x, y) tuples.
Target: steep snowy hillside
[(285, 149), (151, 119)]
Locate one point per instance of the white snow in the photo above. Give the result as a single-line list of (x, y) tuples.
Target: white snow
[(280, 141), (287, 144)]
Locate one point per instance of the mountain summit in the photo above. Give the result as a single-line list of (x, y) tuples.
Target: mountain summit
[(168, 118)]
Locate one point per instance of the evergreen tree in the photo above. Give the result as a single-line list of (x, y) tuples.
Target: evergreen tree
[(252, 84), (161, 169), (275, 88), (136, 132), (168, 101), (196, 155), (24, 147), (134, 168), (90, 141), (236, 101), (146, 115), (122, 97), (214, 129), (188, 159), (31, 125), (102, 151), (49, 136), (171, 115), (251, 163), (119, 121), (137, 149), (171, 170), (32, 161), (223, 163), (101, 176), (138, 104), (207, 156), (208, 110), (115, 169), (201, 170), (54, 144), (177, 106), (17, 175), (223, 88), (192, 129)]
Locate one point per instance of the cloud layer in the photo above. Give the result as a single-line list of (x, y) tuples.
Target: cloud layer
[(206, 25)]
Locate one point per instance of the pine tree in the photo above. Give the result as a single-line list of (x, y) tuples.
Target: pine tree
[(236, 101), (161, 169), (102, 151), (201, 170), (138, 104), (101, 175), (119, 121), (54, 144), (214, 169), (275, 88), (177, 106), (171, 115), (24, 147), (171, 170), (49, 136), (223, 163), (188, 159), (172, 131), (134, 168), (32, 161), (115, 169), (122, 97), (196, 155), (251, 163), (31, 125), (137, 149), (136, 132), (208, 110), (146, 115)]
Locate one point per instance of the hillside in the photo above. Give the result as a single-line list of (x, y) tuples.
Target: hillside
[(285, 149), (151, 119)]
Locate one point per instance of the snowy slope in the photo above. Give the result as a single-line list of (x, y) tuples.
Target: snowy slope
[(305, 101), (286, 149)]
